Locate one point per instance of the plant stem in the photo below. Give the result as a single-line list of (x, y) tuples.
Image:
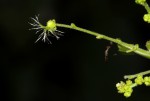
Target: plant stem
[(139, 51), (135, 75), (147, 7)]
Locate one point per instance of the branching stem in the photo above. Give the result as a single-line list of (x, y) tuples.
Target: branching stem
[(135, 75), (139, 51)]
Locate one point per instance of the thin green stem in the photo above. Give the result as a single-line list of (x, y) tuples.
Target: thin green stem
[(139, 51), (147, 7), (135, 75)]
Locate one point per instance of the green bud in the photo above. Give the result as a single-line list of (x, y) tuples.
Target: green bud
[(51, 25), (129, 82), (139, 80), (146, 18), (147, 81), (127, 94), (128, 88)]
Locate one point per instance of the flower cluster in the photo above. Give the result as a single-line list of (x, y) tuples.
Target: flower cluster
[(127, 87), (49, 30)]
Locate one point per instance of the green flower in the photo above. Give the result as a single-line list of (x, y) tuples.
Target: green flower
[(146, 18), (129, 82), (49, 30), (139, 80), (147, 81), (127, 94), (125, 88)]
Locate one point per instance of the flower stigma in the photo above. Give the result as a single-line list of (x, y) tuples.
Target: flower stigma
[(49, 30)]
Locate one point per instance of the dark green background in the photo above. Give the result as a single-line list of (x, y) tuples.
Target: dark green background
[(72, 68)]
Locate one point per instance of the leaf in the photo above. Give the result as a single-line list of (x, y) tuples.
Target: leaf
[(123, 49)]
